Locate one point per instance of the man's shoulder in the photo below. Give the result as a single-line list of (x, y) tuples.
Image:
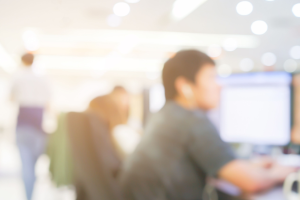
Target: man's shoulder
[(174, 110), (176, 116)]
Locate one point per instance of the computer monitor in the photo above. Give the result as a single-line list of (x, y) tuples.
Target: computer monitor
[(255, 108)]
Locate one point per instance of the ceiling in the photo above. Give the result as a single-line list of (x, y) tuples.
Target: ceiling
[(64, 18)]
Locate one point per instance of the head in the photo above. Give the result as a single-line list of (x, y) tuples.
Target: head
[(112, 108), (190, 78), (27, 59), (108, 111), (121, 97)]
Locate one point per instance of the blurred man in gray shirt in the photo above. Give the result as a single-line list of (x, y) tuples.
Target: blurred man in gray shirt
[(181, 147)]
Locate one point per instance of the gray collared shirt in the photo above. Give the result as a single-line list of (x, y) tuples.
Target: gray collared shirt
[(179, 150)]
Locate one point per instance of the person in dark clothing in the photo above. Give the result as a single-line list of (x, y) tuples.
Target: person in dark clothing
[(97, 158), (181, 148), (96, 162)]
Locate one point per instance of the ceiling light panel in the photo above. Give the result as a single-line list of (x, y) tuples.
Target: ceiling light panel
[(151, 38), (121, 9), (182, 8), (244, 8)]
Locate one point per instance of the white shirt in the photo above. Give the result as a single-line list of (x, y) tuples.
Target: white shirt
[(30, 90)]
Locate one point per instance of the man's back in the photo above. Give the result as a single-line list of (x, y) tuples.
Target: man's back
[(179, 149), (32, 94), (30, 90)]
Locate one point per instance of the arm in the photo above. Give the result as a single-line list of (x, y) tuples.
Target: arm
[(250, 178), (296, 128), (296, 134), (217, 160)]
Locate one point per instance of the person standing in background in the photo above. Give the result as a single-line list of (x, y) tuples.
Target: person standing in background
[(32, 94)]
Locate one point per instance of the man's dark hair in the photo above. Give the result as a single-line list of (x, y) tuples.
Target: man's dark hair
[(185, 64), (28, 59)]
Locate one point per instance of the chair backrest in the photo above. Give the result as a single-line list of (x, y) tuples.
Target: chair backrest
[(95, 158)]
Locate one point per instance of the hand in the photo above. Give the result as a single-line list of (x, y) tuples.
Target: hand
[(280, 172), (264, 162)]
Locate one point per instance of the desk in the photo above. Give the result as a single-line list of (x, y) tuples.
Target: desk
[(274, 194)]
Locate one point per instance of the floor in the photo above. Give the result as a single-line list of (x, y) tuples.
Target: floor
[(11, 185)]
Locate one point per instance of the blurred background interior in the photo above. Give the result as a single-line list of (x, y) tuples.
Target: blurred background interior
[(86, 48)]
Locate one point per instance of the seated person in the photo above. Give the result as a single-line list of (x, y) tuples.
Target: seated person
[(113, 111), (97, 157), (296, 128), (181, 147)]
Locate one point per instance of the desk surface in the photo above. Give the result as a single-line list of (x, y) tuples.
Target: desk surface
[(274, 194)]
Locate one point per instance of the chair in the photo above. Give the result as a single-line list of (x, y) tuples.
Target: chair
[(95, 158)]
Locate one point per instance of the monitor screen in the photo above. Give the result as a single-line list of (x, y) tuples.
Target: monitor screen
[(256, 108)]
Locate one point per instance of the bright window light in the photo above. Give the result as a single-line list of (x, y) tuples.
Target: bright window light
[(128, 44), (268, 59), (259, 27), (132, 1), (6, 62), (9, 159), (214, 51), (295, 52), (296, 10), (121, 9), (224, 70), (114, 20), (126, 138), (30, 40), (290, 65), (156, 98), (153, 75), (244, 8), (182, 8), (169, 40), (246, 64), (230, 44)]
